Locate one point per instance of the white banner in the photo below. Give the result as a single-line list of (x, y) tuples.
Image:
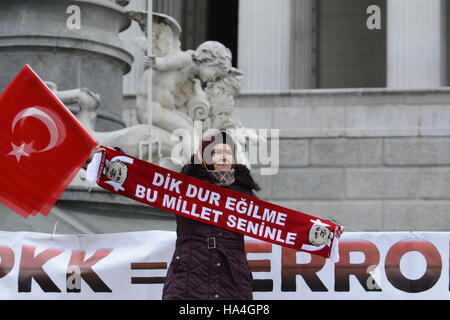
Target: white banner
[(373, 265)]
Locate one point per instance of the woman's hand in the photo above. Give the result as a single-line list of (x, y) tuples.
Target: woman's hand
[(97, 149), (340, 231)]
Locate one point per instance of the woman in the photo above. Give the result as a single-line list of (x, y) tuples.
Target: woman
[(209, 262)]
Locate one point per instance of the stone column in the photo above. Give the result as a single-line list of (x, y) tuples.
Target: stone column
[(264, 44), (130, 80), (194, 24), (415, 44), (303, 44)]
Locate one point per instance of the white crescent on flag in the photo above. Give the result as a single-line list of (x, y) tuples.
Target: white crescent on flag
[(55, 137)]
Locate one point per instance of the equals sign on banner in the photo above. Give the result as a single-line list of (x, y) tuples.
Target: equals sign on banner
[(148, 266)]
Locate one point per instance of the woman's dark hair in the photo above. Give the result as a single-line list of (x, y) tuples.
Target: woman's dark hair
[(119, 149)]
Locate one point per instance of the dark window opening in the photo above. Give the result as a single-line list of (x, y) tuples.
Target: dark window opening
[(223, 24)]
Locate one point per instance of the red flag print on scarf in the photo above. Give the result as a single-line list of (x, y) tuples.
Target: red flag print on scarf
[(180, 194)]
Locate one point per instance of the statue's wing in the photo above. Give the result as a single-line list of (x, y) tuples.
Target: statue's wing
[(141, 18), (163, 18)]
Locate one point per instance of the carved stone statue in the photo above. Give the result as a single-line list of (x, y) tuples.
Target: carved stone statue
[(88, 103), (221, 95), (187, 85), (178, 75)]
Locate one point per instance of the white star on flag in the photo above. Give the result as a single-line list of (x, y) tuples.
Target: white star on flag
[(18, 151)]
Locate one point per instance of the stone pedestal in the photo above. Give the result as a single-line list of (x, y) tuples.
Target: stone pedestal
[(415, 44), (37, 33)]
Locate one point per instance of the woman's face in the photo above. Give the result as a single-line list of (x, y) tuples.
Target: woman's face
[(222, 157)]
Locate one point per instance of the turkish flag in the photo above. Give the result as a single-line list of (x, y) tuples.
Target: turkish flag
[(42, 145)]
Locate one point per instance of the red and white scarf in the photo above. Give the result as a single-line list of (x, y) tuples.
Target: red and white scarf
[(195, 199)]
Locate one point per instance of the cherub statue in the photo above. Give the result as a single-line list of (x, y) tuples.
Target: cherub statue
[(199, 84), (178, 76), (166, 45)]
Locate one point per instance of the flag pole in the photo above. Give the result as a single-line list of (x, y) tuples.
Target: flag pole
[(149, 77)]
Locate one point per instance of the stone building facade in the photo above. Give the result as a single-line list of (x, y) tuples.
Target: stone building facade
[(363, 114)]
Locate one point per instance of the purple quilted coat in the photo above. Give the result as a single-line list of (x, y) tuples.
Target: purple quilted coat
[(209, 262)]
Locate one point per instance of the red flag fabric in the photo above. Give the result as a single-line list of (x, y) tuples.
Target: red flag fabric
[(202, 201), (42, 145)]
